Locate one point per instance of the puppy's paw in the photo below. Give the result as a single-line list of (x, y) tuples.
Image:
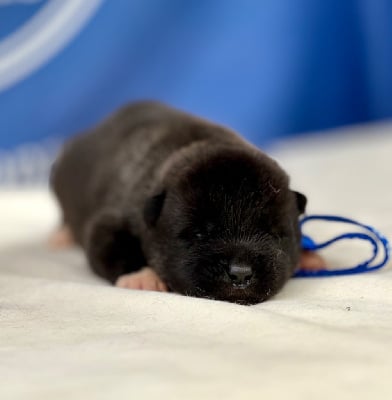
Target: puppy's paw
[(145, 279), (61, 239), (311, 261)]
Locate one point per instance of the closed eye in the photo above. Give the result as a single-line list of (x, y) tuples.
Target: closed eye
[(189, 235)]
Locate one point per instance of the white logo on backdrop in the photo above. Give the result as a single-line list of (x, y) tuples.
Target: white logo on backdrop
[(43, 36)]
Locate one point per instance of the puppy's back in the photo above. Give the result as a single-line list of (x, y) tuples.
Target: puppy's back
[(117, 161)]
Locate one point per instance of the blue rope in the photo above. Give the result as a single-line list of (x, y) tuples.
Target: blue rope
[(375, 238)]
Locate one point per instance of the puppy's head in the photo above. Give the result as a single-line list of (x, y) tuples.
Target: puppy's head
[(226, 227)]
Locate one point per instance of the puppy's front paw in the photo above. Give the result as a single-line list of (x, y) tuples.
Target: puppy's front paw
[(311, 261), (145, 279)]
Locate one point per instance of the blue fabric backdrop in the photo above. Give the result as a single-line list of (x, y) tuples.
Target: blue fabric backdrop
[(266, 68)]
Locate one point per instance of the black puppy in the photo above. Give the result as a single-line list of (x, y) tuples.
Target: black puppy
[(212, 215)]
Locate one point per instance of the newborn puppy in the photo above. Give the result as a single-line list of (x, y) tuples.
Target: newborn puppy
[(211, 214)]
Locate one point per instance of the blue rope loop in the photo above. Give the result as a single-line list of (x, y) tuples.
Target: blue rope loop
[(376, 239)]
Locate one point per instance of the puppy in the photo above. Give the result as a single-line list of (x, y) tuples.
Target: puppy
[(210, 214)]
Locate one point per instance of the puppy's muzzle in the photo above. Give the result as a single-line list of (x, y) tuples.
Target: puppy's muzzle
[(240, 275)]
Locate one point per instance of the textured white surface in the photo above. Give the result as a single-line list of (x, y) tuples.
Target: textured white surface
[(66, 334)]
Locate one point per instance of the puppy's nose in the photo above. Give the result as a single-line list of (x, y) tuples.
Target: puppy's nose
[(240, 275)]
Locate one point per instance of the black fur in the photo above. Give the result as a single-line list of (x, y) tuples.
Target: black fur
[(155, 186)]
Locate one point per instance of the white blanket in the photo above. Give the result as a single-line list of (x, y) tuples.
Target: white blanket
[(66, 334)]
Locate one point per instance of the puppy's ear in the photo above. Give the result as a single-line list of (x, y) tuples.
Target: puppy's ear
[(301, 201), (153, 208)]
